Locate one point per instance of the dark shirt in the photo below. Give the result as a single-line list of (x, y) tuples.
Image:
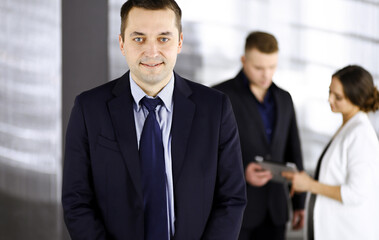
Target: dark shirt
[(267, 111)]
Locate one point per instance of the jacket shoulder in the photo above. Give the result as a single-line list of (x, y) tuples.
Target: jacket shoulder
[(360, 127), (202, 91), (225, 86), (99, 90), (281, 92), (100, 93)]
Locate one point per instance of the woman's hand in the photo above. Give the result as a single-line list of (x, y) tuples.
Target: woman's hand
[(301, 181)]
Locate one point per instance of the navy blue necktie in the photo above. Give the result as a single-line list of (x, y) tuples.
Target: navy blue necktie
[(153, 175)]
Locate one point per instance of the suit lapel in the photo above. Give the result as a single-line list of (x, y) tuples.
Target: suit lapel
[(248, 97), (280, 112), (122, 115), (257, 118), (184, 110)]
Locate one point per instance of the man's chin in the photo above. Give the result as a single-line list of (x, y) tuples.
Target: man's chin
[(266, 86), (153, 78)]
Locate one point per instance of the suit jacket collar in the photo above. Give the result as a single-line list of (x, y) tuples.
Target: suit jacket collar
[(122, 115), (184, 111), (241, 82), (280, 109), (122, 86)]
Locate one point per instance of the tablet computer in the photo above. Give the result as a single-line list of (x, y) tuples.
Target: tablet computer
[(276, 168)]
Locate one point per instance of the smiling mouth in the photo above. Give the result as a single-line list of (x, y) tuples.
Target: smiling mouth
[(151, 65)]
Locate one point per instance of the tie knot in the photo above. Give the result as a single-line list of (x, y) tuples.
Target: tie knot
[(151, 103)]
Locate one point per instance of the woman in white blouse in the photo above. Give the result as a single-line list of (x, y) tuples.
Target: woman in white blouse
[(344, 203)]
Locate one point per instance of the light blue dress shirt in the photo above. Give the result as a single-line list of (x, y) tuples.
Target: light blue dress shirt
[(164, 118)]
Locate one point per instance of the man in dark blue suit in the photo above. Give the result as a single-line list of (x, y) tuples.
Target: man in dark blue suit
[(267, 125), (106, 191)]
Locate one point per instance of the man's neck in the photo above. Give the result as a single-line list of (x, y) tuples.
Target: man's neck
[(259, 93), (152, 90)]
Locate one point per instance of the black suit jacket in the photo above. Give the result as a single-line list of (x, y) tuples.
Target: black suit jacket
[(284, 147), (102, 195)]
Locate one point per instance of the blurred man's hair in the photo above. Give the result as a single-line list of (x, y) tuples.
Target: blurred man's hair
[(262, 41)]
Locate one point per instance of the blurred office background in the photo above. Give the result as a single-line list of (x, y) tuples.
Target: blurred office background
[(51, 50)]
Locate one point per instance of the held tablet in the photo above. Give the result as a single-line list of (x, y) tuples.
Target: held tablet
[(276, 169)]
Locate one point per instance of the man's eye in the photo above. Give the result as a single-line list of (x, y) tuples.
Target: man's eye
[(163, 39), (138, 39)]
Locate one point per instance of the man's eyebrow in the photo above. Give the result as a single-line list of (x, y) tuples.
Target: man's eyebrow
[(166, 33), (133, 34)]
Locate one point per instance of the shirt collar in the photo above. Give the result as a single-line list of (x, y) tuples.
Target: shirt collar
[(165, 94), (268, 95)]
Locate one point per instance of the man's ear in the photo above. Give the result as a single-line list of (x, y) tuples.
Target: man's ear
[(121, 43), (180, 43), (243, 59)]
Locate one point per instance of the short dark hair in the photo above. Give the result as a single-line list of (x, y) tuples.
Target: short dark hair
[(358, 87), (262, 41), (150, 5)]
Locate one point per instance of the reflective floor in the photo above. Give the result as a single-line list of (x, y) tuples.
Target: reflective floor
[(294, 235), (21, 220)]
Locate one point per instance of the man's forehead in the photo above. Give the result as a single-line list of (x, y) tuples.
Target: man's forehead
[(162, 20), (150, 14)]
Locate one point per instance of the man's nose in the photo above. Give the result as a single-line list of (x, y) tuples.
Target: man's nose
[(266, 73), (152, 49)]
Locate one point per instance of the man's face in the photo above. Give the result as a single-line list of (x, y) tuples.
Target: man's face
[(150, 46), (259, 67)]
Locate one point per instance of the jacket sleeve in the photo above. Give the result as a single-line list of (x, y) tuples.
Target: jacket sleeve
[(360, 148), (230, 195), (80, 209)]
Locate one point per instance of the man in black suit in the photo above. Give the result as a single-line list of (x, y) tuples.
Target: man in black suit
[(267, 126), (180, 179)]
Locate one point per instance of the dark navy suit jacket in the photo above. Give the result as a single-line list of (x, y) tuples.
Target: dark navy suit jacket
[(102, 192), (272, 198)]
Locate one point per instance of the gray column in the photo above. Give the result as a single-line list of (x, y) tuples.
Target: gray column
[(84, 53), (84, 49)]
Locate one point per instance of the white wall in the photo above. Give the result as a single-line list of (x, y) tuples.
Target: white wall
[(316, 38)]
